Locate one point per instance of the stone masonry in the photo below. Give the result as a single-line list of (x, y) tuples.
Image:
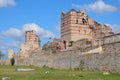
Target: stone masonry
[(108, 59), (103, 57), (77, 25), (95, 47), (10, 54), (32, 42)]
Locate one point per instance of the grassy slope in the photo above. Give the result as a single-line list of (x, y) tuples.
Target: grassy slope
[(53, 74)]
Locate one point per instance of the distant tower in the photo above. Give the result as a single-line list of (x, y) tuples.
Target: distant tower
[(10, 54), (32, 40)]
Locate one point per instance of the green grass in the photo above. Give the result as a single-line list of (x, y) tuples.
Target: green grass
[(54, 74)]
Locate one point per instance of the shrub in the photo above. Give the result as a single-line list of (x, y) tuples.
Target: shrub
[(12, 61), (70, 43), (44, 66), (76, 69)]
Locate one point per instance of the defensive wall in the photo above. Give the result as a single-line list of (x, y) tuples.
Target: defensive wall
[(106, 60)]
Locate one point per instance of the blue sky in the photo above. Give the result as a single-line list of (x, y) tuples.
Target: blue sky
[(43, 16)]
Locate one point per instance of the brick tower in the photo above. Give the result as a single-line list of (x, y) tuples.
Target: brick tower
[(32, 42), (77, 25)]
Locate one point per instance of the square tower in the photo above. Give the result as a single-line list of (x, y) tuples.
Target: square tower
[(31, 39), (75, 25)]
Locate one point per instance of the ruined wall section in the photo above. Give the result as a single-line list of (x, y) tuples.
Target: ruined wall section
[(10, 54), (108, 59), (100, 31), (32, 42), (111, 57)]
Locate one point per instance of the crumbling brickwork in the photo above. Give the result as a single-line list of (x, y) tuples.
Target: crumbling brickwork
[(77, 25), (32, 42)]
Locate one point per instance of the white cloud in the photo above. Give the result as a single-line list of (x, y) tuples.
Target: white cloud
[(12, 37), (13, 33), (99, 7), (9, 45), (40, 31), (6, 3), (14, 44), (115, 27), (18, 35)]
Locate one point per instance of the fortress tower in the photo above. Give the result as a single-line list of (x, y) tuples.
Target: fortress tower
[(10, 54), (77, 25), (32, 42)]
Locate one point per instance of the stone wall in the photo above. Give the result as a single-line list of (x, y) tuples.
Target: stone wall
[(108, 59), (111, 39), (4, 62), (111, 56)]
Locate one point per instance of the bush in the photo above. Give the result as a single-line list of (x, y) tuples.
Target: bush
[(44, 66), (76, 69), (70, 43), (12, 61)]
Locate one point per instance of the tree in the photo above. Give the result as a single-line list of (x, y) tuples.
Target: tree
[(70, 43), (12, 60), (1, 55)]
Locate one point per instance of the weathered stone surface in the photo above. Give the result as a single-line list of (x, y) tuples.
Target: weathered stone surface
[(32, 42), (108, 60), (76, 25)]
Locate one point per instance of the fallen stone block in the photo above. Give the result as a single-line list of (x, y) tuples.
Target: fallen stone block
[(25, 69)]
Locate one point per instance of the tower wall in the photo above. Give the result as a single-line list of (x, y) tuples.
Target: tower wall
[(32, 43), (77, 25), (11, 54)]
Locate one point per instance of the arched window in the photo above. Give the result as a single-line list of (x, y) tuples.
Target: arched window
[(83, 20)]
